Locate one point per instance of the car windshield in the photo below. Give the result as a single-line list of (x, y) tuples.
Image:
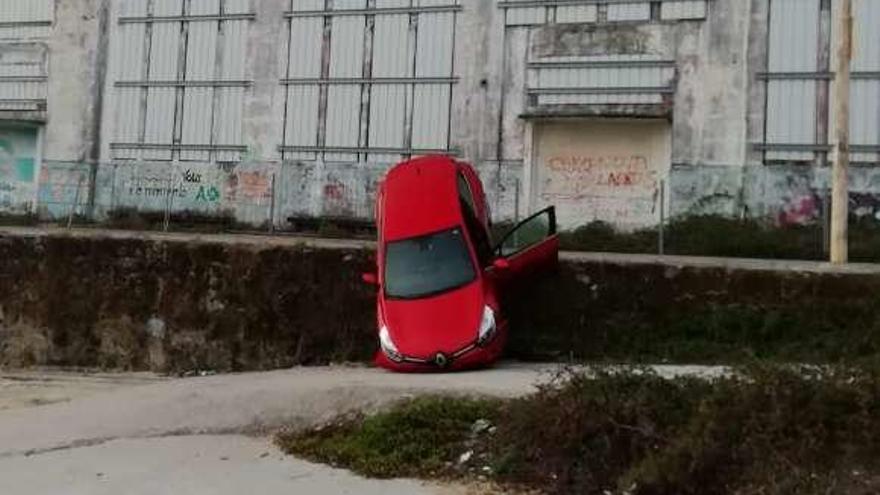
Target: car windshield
[(427, 265)]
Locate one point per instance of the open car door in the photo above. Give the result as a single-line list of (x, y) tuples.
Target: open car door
[(532, 247)]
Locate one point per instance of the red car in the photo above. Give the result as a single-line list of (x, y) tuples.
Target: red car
[(442, 283)]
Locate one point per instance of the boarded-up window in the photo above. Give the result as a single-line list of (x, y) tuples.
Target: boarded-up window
[(538, 12), (369, 80), (799, 79), (600, 80), (601, 170), (24, 62), (26, 19), (179, 79)]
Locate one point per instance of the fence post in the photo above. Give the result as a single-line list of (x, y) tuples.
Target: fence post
[(661, 233), (113, 190), (826, 223), (75, 202), (516, 202), (93, 189), (272, 207), (169, 200)]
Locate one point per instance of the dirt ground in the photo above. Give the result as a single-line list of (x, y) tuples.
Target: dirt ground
[(20, 389)]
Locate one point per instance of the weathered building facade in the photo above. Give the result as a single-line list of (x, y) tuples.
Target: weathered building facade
[(616, 110)]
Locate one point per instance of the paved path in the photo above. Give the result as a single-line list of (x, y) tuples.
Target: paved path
[(141, 434), (144, 434), (250, 403), (210, 465)]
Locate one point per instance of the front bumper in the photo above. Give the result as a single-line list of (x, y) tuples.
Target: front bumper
[(469, 357)]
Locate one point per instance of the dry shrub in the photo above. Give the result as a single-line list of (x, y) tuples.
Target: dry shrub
[(766, 430)]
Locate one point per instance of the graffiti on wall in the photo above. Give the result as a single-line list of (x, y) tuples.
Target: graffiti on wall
[(611, 188), (249, 186), (336, 198), (184, 187), (579, 177), (602, 171), (803, 209)]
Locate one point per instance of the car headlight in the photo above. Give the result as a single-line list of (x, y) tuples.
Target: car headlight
[(388, 346), (487, 327)]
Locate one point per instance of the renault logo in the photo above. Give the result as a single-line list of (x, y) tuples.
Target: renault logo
[(441, 360)]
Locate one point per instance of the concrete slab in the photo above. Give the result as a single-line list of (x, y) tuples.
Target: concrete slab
[(251, 402), (20, 389), (192, 465)]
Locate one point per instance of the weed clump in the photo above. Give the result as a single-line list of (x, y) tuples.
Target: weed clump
[(720, 236), (416, 439), (767, 430)]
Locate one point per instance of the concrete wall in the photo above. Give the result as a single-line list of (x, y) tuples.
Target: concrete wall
[(71, 51), (241, 303), (715, 108)]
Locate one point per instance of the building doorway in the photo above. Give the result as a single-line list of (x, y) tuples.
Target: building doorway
[(19, 168), (607, 170)]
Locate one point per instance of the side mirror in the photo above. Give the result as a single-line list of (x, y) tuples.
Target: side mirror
[(370, 278), (501, 265)]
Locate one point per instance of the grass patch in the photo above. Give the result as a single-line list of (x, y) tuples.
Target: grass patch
[(416, 439), (713, 235), (22, 220), (767, 430), (180, 221)]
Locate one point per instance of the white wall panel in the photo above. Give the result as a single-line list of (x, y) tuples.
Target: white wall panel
[(231, 100), (526, 16), (302, 118), (343, 115), (201, 59), (391, 47), (602, 99), (602, 75), (865, 120), (346, 61), (306, 5), (629, 11), (435, 45), (347, 46), (430, 117), (164, 53), (683, 9), (23, 61), (400, 114), (26, 12), (794, 36), (576, 13), (387, 116), (791, 104), (146, 58), (791, 117)]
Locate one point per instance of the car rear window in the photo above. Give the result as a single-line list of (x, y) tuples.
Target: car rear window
[(427, 265)]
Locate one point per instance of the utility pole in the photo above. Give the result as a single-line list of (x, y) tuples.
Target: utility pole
[(840, 178)]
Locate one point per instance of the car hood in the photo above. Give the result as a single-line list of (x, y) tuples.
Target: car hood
[(446, 323)]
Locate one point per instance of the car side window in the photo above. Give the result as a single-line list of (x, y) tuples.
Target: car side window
[(529, 233), (476, 230), (465, 194)]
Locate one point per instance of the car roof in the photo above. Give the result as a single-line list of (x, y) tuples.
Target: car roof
[(420, 197)]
